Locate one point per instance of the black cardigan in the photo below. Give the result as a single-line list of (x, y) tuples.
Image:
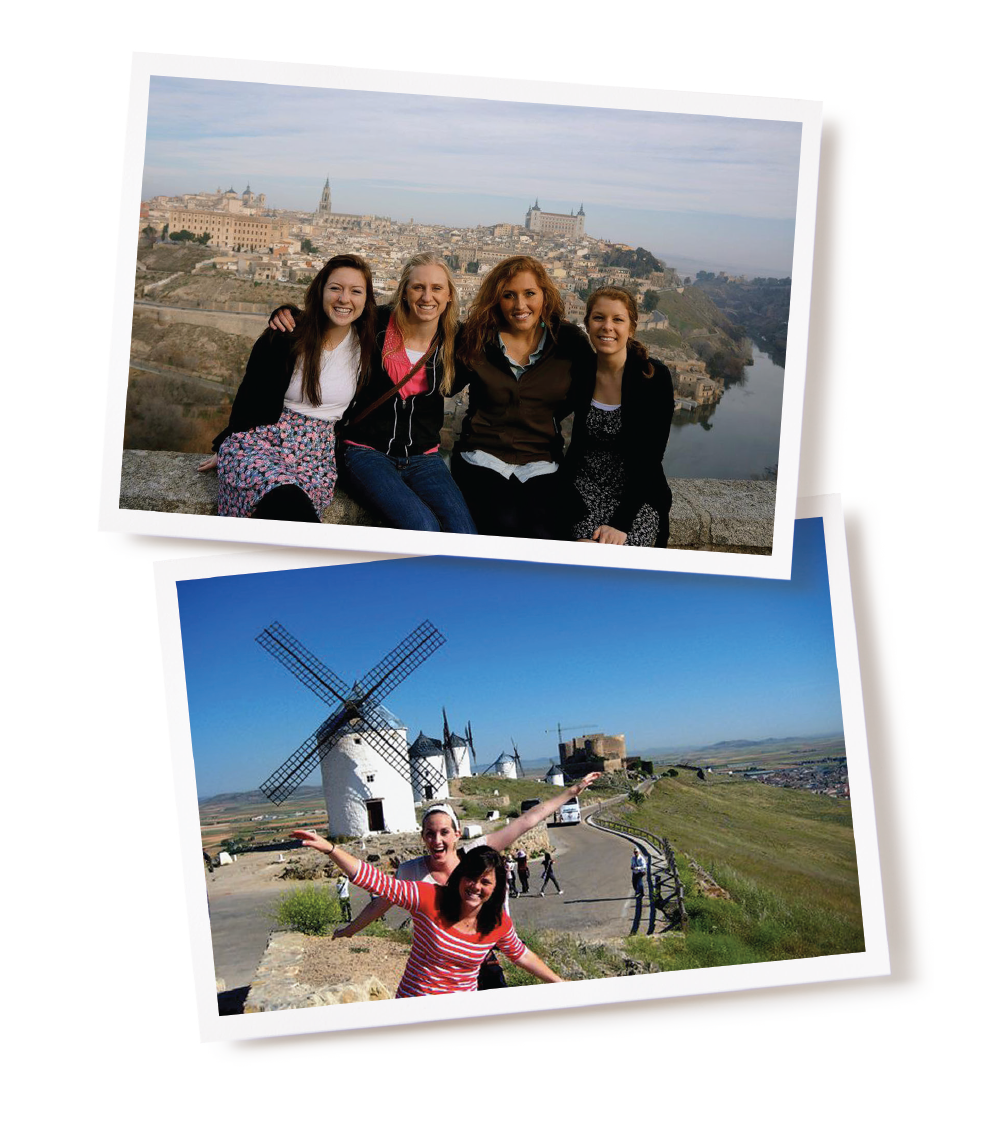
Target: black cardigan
[(260, 399), (647, 413), (401, 427)]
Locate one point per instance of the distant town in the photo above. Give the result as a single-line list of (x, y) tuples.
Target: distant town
[(254, 241)]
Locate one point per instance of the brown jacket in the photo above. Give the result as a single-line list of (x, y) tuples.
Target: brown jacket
[(519, 420)]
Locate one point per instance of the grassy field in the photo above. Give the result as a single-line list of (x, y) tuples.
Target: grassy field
[(517, 790), (786, 857), (768, 755)]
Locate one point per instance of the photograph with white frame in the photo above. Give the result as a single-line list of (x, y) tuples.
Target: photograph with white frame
[(190, 76), (788, 648)]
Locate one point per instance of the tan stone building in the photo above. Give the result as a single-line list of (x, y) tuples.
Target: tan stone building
[(555, 223), (604, 752), (230, 229)]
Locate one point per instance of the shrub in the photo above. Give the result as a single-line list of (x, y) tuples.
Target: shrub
[(310, 909)]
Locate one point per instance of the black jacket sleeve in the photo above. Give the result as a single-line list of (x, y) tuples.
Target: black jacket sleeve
[(647, 414), (260, 399)]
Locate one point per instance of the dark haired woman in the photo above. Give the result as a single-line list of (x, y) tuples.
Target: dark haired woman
[(390, 449), (527, 365), (276, 458), (615, 458), (441, 832), (454, 926)]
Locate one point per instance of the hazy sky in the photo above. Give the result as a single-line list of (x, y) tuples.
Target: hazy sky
[(693, 189), (663, 658)]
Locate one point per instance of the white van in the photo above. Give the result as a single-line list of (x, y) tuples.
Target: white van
[(569, 813)]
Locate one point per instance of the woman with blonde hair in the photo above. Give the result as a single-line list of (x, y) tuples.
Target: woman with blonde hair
[(615, 458), (526, 368), (392, 436)]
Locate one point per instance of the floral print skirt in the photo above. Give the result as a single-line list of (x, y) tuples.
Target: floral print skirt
[(298, 450)]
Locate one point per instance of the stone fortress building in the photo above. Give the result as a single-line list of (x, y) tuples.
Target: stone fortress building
[(234, 221), (555, 223), (580, 756)]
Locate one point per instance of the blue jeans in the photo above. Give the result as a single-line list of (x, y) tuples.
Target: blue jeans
[(416, 493)]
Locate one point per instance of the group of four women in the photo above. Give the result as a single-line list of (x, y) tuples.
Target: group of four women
[(387, 369)]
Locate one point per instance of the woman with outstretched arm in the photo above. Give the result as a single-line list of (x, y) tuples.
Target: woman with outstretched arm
[(455, 925), (440, 832)]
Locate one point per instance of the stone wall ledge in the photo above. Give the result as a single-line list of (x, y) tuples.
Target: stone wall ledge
[(727, 515)]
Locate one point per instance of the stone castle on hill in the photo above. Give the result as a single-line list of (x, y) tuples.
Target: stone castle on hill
[(604, 752)]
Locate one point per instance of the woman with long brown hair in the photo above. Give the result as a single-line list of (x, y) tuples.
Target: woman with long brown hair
[(454, 924), (527, 365), (276, 457), (615, 459), (391, 444)]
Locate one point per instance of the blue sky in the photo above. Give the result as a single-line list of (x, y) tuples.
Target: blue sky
[(666, 659), (713, 190)]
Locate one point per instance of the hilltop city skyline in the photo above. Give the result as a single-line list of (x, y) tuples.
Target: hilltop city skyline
[(698, 191), (666, 659)]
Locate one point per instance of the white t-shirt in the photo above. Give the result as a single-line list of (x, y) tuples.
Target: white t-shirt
[(339, 374)]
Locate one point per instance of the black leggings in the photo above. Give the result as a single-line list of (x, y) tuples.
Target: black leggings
[(538, 508), (288, 504)]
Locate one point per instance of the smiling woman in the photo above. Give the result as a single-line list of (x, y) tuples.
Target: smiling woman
[(615, 460), (390, 449), (276, 458), (527, 365), (455, 925)]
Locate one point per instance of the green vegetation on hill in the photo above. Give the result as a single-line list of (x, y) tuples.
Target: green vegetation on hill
[(517, 790), (786, 857), (700, 325), (639, 262), (761, 306)]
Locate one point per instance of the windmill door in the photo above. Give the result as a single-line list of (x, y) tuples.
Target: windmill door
[(374, 810)]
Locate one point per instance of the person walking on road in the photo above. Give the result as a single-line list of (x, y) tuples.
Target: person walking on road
[(548, 874), (523, 871), (639, 870)]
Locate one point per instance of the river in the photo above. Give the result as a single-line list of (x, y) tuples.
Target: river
[(738, 438)]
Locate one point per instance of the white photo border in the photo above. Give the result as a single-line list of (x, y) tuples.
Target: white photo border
[(778, 564)]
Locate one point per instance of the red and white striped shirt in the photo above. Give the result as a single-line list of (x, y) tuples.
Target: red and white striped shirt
[(442, 960)]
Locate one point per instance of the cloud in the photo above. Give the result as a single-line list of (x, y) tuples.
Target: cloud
[(208, 130)]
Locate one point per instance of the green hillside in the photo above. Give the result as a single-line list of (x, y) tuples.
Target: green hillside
[(786, 857)]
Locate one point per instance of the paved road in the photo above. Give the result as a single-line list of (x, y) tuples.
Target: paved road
[(593, 869), (591, 866)]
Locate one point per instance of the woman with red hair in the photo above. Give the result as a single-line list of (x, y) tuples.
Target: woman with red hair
[(527, 368)]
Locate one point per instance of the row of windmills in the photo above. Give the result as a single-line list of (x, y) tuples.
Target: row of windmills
[(372, 776)]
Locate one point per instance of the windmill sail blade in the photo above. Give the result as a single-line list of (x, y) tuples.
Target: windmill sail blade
[(393, 669), (416, 771), (447, 730), (283, 781), (304, 664)]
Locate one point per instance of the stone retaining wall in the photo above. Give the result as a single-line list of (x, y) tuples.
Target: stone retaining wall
[(732, 515)]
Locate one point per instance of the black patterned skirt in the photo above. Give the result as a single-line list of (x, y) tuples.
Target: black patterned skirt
[(297, 450), (600, 481)]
